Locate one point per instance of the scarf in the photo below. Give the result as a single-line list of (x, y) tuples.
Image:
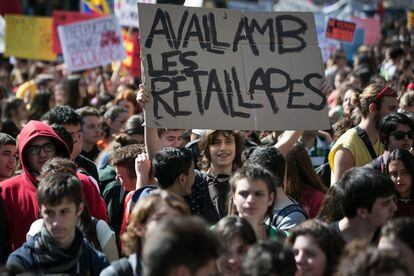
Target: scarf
[(53, 259)]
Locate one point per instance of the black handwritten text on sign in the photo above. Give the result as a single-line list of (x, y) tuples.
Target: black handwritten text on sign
[(224, 69)]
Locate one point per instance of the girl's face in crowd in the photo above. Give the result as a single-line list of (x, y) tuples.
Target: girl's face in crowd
[(252, 199), (347, 105), (309, 257), (230, 263), (401, 178)]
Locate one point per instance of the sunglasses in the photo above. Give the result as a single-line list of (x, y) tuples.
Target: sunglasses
[(400, 135)]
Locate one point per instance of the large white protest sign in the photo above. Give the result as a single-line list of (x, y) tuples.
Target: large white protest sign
[(127, 13), (226, 69), (91, 43)]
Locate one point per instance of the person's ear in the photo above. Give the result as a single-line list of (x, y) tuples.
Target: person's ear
[(362, 212), (271, 199), (80, 208), (372, 107)]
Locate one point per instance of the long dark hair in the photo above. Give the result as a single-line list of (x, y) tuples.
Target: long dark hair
[(408, 160)]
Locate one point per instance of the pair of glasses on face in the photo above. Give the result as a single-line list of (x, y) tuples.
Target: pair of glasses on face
[(400, 135), (35, 149)]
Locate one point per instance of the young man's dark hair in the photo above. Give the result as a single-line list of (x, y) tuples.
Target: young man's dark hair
[(63, 115), (169, 163), (60, 246), (271, 159), (389, 125), (6, 139), (125, 156), (64, 135), (55, 187), (87, 111), (185, 243), (360, 189), (269, 258)]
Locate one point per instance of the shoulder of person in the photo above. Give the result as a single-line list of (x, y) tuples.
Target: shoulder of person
[(22, 259)]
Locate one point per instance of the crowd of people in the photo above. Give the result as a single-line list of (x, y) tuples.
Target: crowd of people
[(87, 188)]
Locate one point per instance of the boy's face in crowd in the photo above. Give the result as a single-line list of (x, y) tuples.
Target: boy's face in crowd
[(39, 150), (223, 150), (171, 138), (382, 210), (90, 129), (123, 176), (61, 220), (77, 137), (8, 160), (405, 143)]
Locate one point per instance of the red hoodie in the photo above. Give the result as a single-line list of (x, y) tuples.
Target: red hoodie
[(19, 192)]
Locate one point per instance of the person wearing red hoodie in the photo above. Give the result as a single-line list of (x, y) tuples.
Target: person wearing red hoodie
[(37, 143)]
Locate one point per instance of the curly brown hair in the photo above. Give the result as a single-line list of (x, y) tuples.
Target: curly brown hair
[(208, 139)]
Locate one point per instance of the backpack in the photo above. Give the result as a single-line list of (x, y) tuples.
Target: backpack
[(280, 215)]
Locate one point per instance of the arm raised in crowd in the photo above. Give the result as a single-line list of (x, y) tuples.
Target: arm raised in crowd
[(152, 141)]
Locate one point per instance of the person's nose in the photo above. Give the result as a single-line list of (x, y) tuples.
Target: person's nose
[(300, 257)]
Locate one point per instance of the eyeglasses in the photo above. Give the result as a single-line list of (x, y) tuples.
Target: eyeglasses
[(400, 135), (35, 149), (386, 91)]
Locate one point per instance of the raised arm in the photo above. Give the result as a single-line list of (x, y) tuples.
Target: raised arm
[(152, 141)]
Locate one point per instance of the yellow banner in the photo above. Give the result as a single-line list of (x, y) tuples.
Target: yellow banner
[(29, 37)]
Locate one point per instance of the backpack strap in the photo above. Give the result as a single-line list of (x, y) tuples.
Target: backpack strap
[(279, 216), (364, 137), (122, 267)]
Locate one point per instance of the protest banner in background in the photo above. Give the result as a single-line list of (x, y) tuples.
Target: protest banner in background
[(61, 18), (29, 37), (127, 13), (340, 30), (410, 20), (132, 62), (371, 27), (227, 69), (91, 43)]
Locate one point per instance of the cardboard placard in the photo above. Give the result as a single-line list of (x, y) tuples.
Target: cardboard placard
[(340, 30), (227, 69), (29, 37), (61, 18), (371, 27), (91, 43)]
